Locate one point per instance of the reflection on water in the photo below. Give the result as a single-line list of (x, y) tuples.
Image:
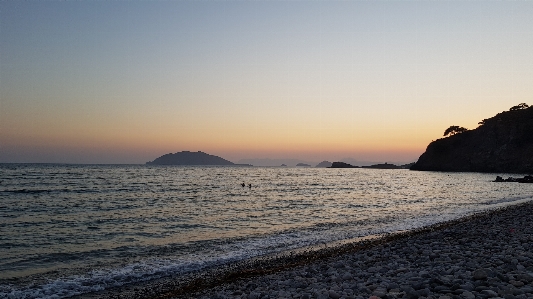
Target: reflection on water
[(73, 218)]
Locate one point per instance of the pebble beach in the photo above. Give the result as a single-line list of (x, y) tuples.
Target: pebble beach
[(487, 255)]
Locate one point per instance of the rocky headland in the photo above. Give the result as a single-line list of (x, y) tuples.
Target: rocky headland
[(501, 144)]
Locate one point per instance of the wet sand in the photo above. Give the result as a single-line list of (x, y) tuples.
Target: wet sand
[(487, 255)]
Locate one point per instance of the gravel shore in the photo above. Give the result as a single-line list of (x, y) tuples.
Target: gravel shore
[(487, 255)]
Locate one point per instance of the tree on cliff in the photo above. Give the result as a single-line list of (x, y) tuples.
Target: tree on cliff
[(452, 130), (519, 107)]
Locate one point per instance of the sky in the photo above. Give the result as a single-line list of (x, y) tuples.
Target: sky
[(128, 81)]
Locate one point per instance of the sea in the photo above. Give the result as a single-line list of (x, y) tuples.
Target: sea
[(67, 230)]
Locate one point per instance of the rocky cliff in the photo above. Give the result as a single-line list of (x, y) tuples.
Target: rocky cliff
[(503, 143)]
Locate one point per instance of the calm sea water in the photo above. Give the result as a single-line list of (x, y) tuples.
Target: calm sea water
[(72, 229)]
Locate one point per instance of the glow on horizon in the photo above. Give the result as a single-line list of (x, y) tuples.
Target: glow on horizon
[(114, 82)]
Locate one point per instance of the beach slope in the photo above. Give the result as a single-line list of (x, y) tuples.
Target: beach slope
[(487, 255)]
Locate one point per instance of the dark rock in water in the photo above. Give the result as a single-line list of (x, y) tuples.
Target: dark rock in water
[(324, 164), (342, 165), (499, 179), (192, 158), (283, 165), (303, 165), (503, 143), (526, 179)]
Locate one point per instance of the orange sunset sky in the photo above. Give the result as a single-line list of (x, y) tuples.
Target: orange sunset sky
[(125, 82)]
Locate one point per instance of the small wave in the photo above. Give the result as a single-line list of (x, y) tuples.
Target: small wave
[(35, 191), (98, 280), (504, 200), (38, 191)]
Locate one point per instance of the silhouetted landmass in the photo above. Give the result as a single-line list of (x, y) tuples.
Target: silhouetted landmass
[(272, 162), (356, 162), (303, 165), (324, 164), (383, 166), (342, 165), (526, 179), (407, 166), (192, 158), (503, 143)]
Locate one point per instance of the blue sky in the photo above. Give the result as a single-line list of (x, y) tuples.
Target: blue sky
[(124, 82)]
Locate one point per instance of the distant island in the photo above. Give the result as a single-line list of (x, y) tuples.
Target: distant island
[(324, 164), (303, 165), (268, 162), (192, 158), (384, 166), (342, 165), (502, 144), (375, 166), (202, 159)]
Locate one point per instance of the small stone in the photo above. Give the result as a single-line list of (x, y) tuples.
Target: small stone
[(379, 292), (516, 283), (525, 277), (480, 274), (410, 293), (489, 293), (517, 292), (253, 296), (424, 292), (467, 286), (347, 276), (468, 295), (333, 295), (394, 292)]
